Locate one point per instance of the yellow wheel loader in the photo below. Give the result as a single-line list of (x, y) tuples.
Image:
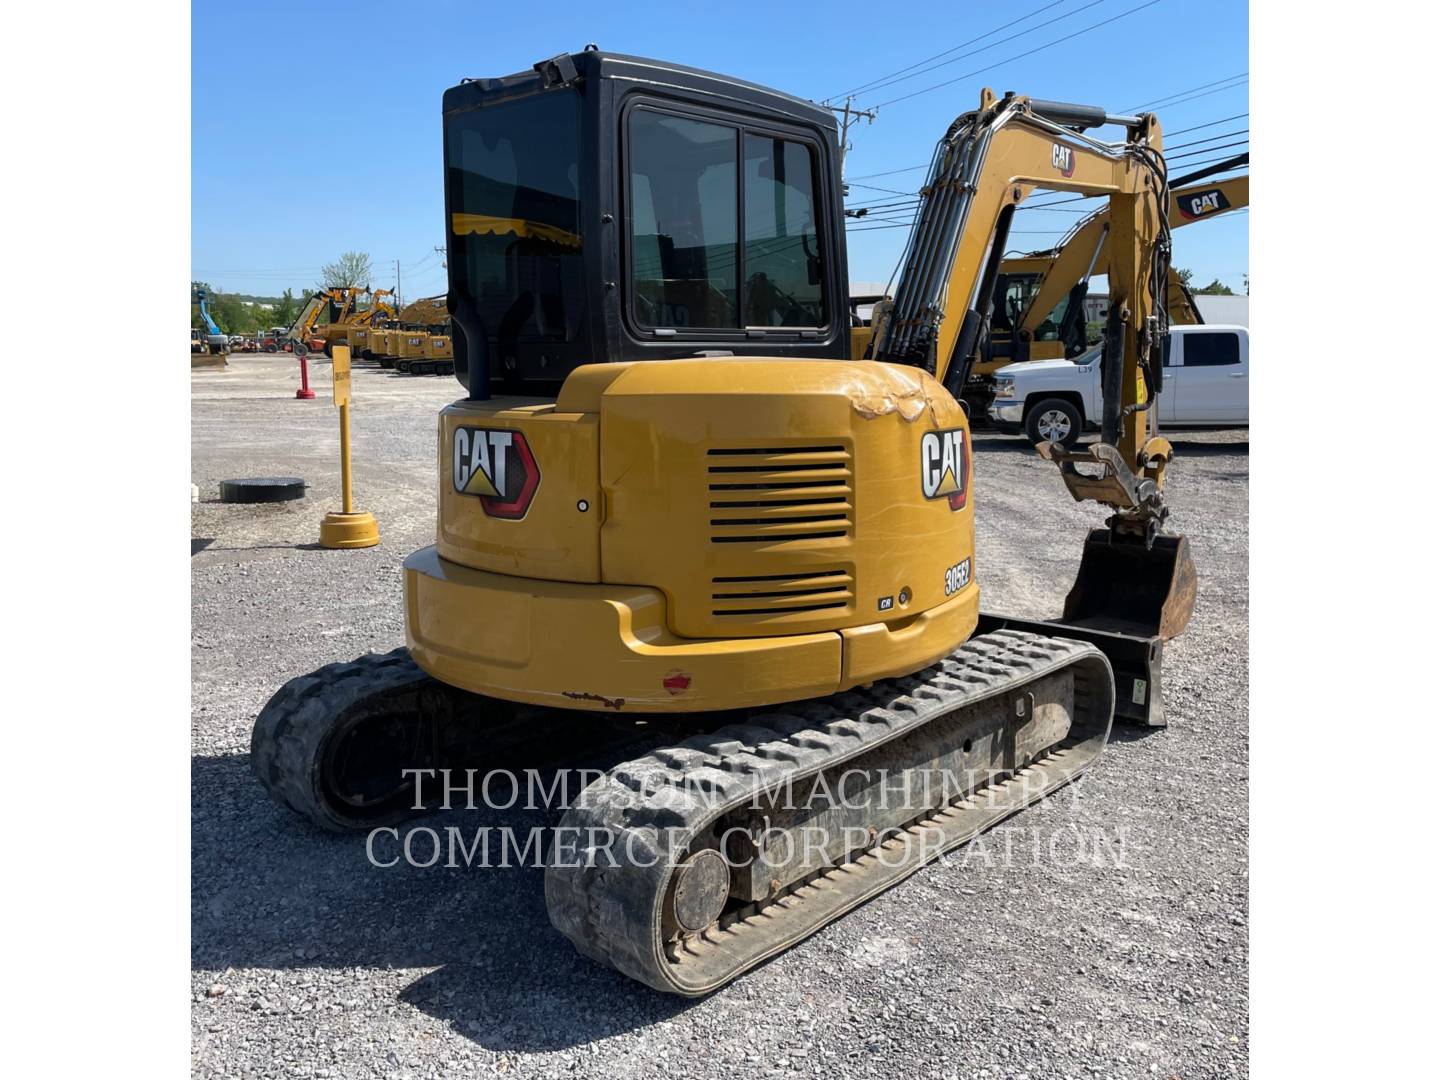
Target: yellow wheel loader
[(668, 495)]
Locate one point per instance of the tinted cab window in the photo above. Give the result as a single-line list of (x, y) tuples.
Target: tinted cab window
[(722, 227)]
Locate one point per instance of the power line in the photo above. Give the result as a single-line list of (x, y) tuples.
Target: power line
[(906, 224), (1211, 161), (1180, 131), (892, 191), (1020, 56), (947, 52), (888, 172), (272, 270), (1181, 93), (891, 205), (1207, 93), (1212, 138), (1205, 150), (897, 77), (1212, 123), (872, 210)]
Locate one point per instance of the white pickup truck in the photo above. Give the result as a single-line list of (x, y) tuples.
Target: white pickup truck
[(1207, 384)]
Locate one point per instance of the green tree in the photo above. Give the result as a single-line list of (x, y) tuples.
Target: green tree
[(1215, 288), (285, 310), (350, 271), (232, 312), (1184, 276)]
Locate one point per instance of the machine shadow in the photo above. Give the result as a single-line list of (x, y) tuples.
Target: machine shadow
[(270, 891), (1121, 732)]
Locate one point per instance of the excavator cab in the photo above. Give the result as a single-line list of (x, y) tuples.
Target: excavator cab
[(608, 208)]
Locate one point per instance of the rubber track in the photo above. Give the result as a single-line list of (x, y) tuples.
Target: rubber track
[(290, 732), (652, 808)]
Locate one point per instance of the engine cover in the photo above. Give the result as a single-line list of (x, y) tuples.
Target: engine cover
[(819, 510)]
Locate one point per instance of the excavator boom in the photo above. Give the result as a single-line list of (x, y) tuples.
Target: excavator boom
[(987, 164)]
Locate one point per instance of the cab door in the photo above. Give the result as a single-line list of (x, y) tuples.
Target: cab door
[(1212, 379)]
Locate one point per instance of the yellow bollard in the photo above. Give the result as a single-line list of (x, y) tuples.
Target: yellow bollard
[(350, 528)]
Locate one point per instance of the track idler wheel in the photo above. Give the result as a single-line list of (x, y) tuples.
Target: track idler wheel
[(333, 746)]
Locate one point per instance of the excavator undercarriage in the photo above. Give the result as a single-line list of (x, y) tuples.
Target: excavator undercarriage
[(729, 535), (688, 866)]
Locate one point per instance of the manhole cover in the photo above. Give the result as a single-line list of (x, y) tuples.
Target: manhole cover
[(257, 489)]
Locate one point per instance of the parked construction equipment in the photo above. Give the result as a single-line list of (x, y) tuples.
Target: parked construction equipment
[(759, 541), (1045, 298), (216, 340), (1039, 305), (383, 343), (409, 347)]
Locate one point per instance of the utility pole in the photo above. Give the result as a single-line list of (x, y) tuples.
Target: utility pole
[(849, 114), (398, 303), (443, 263)]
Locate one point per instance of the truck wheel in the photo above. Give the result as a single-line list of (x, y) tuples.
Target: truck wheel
[(1054, 420)]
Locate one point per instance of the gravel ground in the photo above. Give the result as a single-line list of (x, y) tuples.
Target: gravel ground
[(308, 961)]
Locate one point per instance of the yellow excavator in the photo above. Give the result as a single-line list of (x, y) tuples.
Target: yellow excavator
[(668, 495), (345, 312), (302, 335), (356, 331)]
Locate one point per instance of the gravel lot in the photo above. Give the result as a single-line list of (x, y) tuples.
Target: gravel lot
[(308, 961)]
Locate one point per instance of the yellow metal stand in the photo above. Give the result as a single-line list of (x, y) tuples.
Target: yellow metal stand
[(350, 528)]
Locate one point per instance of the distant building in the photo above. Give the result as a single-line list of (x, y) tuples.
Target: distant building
[(863, 295), (1224, 309)]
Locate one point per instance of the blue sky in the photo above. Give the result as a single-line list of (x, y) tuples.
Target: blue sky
[(316, 126)]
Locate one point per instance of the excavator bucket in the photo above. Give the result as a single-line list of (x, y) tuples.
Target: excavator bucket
[(1130, 588), (1127, 601)]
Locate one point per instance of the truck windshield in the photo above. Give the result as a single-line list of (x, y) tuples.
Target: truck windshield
[(512, 179)]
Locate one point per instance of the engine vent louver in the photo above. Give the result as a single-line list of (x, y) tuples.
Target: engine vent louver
[(761, 499), (782, 594), (777, 494)]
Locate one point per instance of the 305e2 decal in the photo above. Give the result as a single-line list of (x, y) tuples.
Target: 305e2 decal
[(957, 577)]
